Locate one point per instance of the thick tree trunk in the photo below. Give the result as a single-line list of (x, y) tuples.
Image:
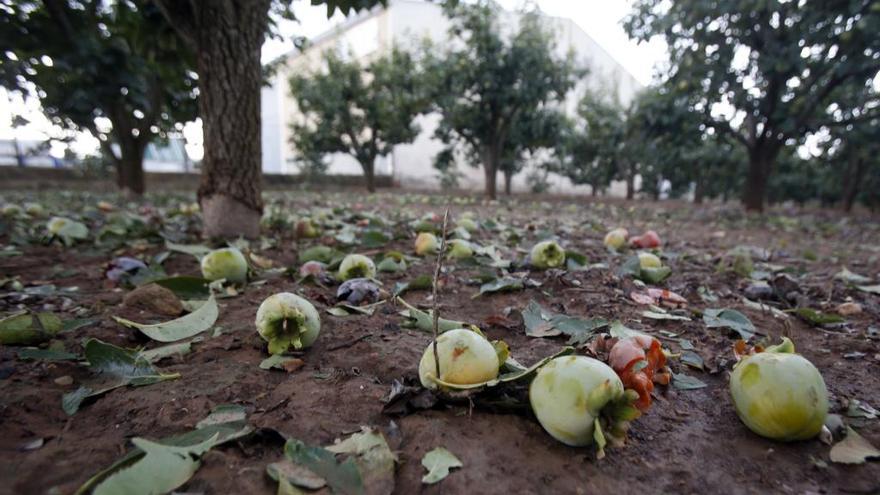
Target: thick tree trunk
[(228, 38), (699, 191), (130, 166), (508, 182), (370, 176), (852, 178), (760, 165), (490, 168), (594, 190), (630, 185)]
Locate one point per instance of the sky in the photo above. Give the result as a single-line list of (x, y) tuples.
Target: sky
[(599, 18)]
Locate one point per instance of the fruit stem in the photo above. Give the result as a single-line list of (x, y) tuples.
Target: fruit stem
[(436, 305)]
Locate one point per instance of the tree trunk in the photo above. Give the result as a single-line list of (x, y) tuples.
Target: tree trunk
[(490, 168), (630, 184), (851, 180), (699, 191), (19, 156), (228, 38), (508, 180), (760, 165), (594, 190), (130, 167), (370, 175)]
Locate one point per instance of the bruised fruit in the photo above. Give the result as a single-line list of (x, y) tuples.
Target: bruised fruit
[(547, 254), (356, 266), (287, 321), (466, 357), (616, 239), (306, 229), (779, 394), (568, 395), (648, 240), (226, 263), (426, 243), (649, 260)]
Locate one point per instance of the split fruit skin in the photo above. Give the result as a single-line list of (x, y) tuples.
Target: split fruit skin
[(356, 266), (466, 358), (227, 263), (303, 323), (547, 254), (569, 393), (780, 395)]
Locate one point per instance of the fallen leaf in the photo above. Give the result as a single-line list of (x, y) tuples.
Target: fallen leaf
[(438, 462), (686, 382), (853, 449), (730, 318), (282, 362), (181, 328)]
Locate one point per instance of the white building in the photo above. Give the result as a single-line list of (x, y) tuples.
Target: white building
[(405, 23)]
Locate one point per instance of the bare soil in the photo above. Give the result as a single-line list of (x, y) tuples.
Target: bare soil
[(689, 442)]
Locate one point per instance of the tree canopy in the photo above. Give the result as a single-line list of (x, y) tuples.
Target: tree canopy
[(91, 59)]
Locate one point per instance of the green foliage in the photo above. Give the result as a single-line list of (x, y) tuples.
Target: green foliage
[(786, 68), (494, 91), (363, 111), (91, 59)]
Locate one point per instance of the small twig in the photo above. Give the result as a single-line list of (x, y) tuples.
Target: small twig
[(349, 343), (436, 306)]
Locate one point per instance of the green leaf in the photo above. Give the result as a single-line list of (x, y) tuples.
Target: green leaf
[(391, 265), (575, 261), (729, 318), (373, 457), (655, 275), (186, 287), (197, 250), (115, 367), (663, 315), (503, 284), (166, 351), (818, 318), (620, 331), (686, 382), (424, 321), (324, 254), (374, 239), (277, 361), (870, 289), (181, 328), (438, 462), (285, 471), (422, 282), (46, 354), (851, 278), (342, 477), (853, 449)]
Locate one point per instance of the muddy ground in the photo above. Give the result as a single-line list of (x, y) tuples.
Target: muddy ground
[(690, 441)]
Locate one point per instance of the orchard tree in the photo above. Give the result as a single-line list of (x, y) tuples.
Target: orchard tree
[(784, 68), (853, 152), (90, 59), (361, 110), (226, 37), (488, 80), (529, 138)]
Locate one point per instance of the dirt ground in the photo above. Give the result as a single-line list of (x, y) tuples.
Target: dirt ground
[(690, 441)]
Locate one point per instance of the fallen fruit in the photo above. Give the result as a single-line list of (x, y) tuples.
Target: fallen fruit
[(357, 291), (34, 209), (313, 269), (460, 249), (468, 224), (779, 394), (649, 260), (426, 243), (11, 210), (639, 362), (285, 321), (227, 263), (306, 229), (466, 357), (356, 266), (547, 254), (616, 239), (568, 395), (648, 240), (23, 329)]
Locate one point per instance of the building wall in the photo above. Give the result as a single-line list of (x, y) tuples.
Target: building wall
[(407, 23)]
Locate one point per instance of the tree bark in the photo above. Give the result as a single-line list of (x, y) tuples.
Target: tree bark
[(228, 35), (130, 166), (699, 191), (370, 175), (851, 180), (760, 164), (630, 184), (490, 168), (508, 182)]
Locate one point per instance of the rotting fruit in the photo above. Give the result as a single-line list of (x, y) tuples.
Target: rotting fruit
[(286, 321), (648, 240), (226, 263), (779, 394), (547, 254), (616, 239), (356, 266), (639, 361), (568, 395), (466, 358), (426, 243)]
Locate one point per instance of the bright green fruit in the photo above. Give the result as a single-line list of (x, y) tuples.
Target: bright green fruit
[(466, 357), (779, 394), (287, 321), (460, 249), (227, 263), (649, 260)]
